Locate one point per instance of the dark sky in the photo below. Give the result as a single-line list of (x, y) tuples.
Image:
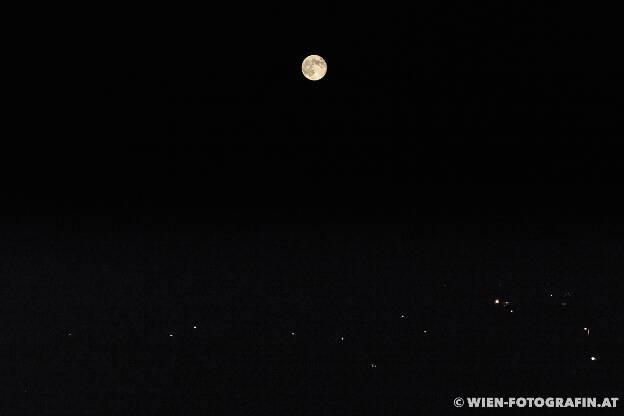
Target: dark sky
[(452, 155), (202, 104)]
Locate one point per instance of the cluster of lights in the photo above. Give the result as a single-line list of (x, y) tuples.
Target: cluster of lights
[(373, 365), (505, 304), (496, 301)]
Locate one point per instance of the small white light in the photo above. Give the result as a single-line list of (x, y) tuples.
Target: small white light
[(341, 338), (593, 358), (373, 365), (496, 301), (194, 326), (292, 334), (402, 316), (170, 335), (425, 331)]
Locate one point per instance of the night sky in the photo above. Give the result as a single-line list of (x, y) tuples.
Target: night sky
[(205, 231)]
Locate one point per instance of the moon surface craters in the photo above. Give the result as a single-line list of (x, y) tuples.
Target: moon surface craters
[(314, 67)]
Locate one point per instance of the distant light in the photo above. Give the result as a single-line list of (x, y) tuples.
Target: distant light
[(550, 295), (593, 358), (511, 310), (292, 334), (402, 316), (341, 338), (69, 334), (170, 335), (496, 301), (505, 303), (425, 331), (194, 326), (373, 365)]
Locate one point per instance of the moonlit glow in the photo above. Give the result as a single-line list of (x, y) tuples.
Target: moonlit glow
[(314, 67)]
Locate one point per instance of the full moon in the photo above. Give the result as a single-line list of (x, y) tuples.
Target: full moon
[(314, 67)]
